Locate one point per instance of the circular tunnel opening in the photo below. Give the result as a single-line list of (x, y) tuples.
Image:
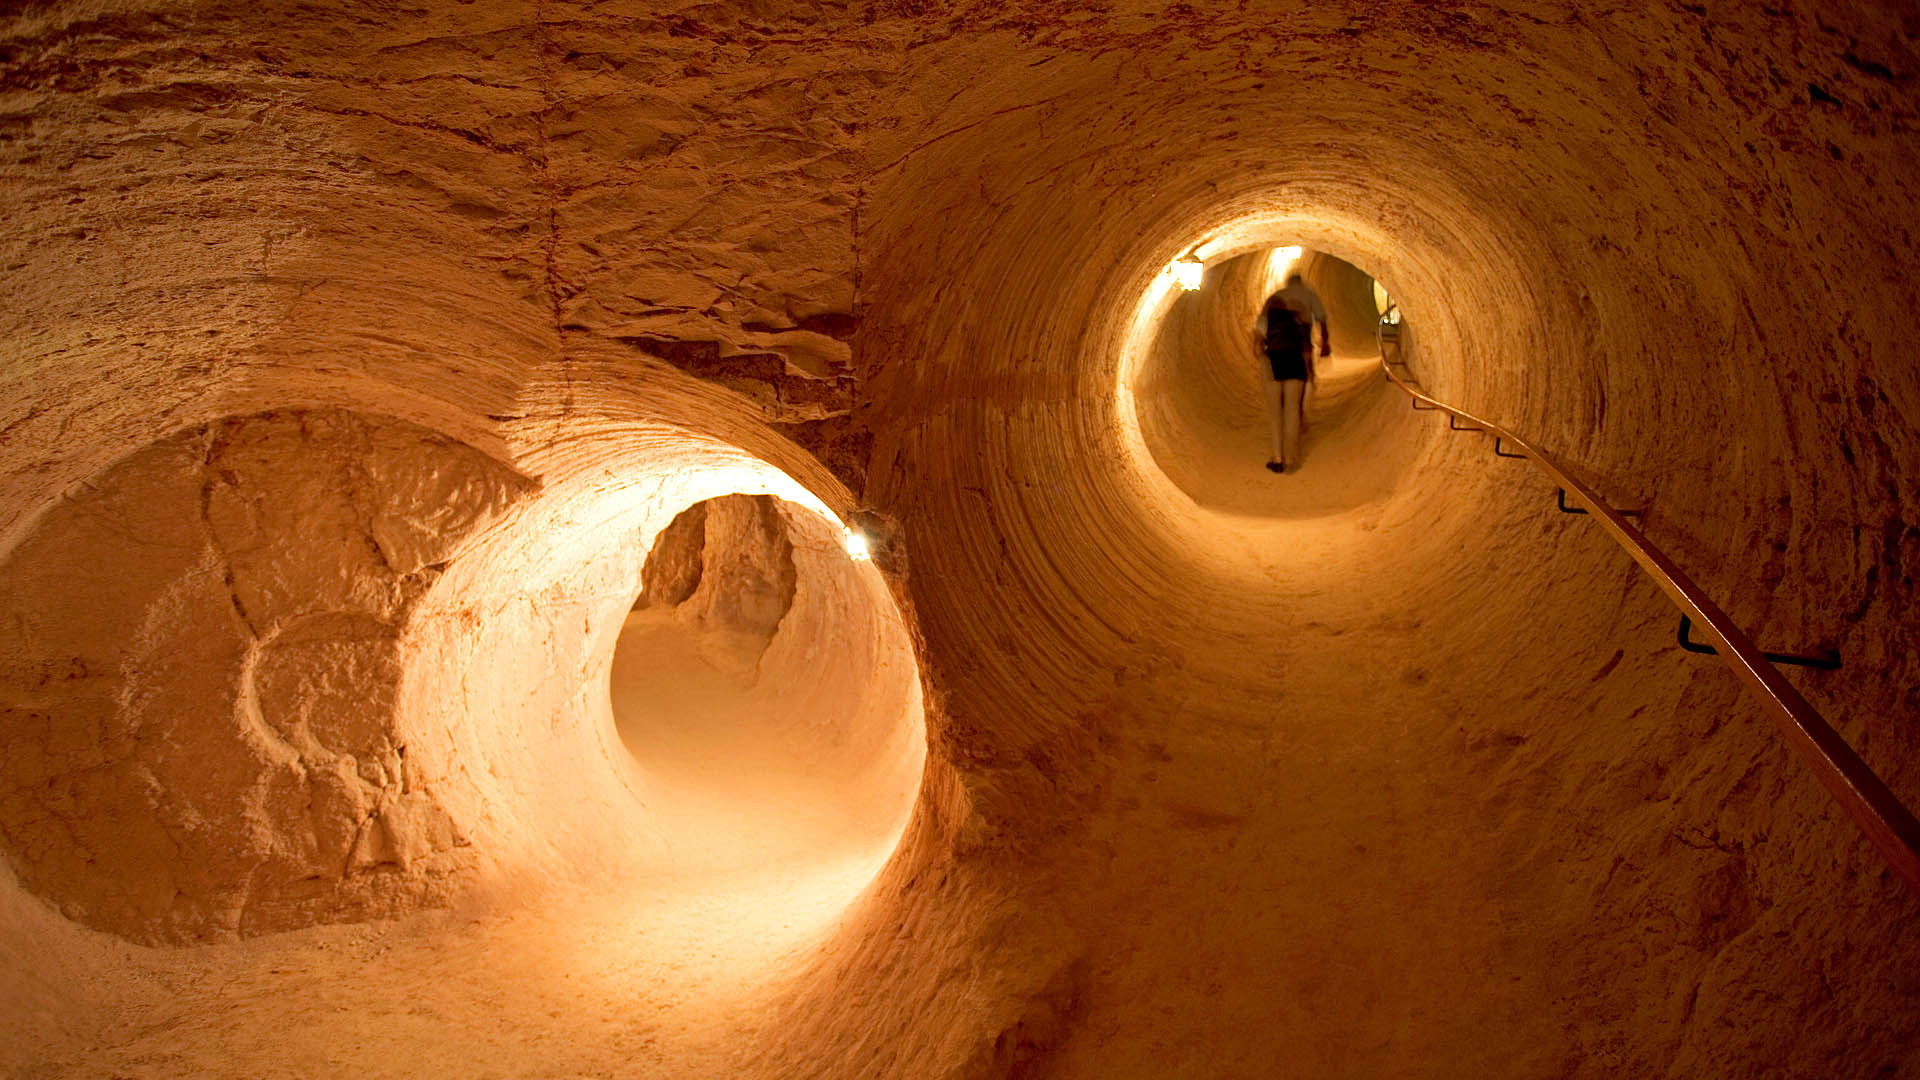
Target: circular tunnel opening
[(766, 689), (1200, 389)]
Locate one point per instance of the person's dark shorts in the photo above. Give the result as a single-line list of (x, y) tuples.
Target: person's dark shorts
[(1288, 366)]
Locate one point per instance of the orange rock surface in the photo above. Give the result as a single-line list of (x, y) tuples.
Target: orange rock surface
[(363, 710)]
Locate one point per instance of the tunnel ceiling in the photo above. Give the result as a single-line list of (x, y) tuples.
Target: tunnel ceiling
[(356, 359)]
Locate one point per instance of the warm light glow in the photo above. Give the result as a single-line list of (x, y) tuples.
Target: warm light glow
[(857, 547), (1280, 263), (1187, 273), (1272, 237)]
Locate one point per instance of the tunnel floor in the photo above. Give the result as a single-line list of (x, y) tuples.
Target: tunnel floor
[(1303, 848), (1353, 442), (646, 978), (357, 360)]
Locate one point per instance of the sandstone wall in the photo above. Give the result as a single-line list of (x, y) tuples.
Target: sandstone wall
[(355, 356)]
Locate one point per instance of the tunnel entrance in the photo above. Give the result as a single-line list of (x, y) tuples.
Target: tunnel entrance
[(765, 687), (1200, 391)]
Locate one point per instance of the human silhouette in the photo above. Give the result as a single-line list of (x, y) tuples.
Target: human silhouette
[(1284, 332)]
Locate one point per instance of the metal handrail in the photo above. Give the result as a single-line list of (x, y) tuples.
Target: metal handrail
[(1824, 663), (1888, 824)]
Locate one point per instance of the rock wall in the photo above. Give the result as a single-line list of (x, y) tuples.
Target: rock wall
[(769, 698), (355, 357), (204, 644)]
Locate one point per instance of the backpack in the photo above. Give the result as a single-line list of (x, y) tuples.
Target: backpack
[(1288, 333)]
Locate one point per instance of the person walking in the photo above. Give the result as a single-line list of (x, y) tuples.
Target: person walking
[(1284, 333)]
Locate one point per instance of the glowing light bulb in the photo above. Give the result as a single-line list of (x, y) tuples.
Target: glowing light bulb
[(857, 548), (1187, 273)]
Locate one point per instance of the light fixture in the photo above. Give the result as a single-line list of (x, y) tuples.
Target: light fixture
[(1187, 273), (857, 548)]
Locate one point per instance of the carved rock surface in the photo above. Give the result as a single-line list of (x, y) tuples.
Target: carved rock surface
[(352, 357), (203, 645)]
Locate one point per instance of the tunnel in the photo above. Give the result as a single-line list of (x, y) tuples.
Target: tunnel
[(714, 539)]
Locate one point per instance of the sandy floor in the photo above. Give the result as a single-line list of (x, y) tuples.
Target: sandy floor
[(639, 980), (1341, 442), (1314, 822), (1384, 768)]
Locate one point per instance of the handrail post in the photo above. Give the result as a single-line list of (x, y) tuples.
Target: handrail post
[(1886, 822)]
